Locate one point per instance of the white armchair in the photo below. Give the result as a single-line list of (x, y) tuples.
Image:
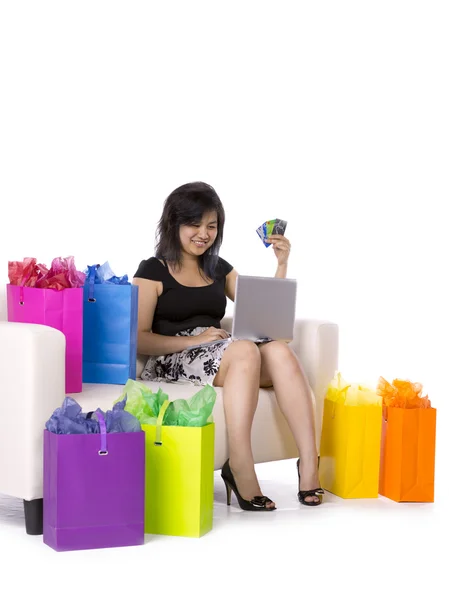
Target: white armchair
[(32, 376)]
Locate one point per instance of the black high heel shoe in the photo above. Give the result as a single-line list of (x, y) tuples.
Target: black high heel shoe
[(256, 504), (316, 493)]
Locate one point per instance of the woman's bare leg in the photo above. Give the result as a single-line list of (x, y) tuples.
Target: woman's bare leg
[(239, 375), (281, 367)]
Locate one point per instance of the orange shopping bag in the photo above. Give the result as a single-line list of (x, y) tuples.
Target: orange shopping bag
[(407, 467)]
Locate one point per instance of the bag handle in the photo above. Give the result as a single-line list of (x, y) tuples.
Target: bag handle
[(103, 441), (343, 391), (22, 284), (158, 440), (91, 282)]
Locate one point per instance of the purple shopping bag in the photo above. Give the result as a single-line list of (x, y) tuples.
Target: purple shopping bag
[(94, 489), (62, 310)]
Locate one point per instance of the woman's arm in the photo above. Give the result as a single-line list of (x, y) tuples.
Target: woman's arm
[(281, 247), (149, 343), (231, 278), (281, 272)]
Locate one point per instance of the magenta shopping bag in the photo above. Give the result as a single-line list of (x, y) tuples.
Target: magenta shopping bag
[(94, 489), (62, 310)]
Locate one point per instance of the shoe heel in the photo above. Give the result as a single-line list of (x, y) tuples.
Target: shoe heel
[(228, 493)]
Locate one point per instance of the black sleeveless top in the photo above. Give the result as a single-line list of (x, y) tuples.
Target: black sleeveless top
[(182, 307)]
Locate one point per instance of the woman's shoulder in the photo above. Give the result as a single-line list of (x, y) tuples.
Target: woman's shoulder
[(151, 268), (223, 267)]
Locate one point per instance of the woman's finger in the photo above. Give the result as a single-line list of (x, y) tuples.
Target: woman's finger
[(219, 334), (277, 236), (275, 242)]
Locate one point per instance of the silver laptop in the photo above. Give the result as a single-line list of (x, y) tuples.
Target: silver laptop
[(265, 308)]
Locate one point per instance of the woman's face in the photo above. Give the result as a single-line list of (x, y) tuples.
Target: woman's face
[(198, 237)]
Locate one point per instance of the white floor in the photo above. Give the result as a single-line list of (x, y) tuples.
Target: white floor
[(348, 548)]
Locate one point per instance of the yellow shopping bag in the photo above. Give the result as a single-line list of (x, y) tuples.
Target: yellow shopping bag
[(179, 482), (350, 440)]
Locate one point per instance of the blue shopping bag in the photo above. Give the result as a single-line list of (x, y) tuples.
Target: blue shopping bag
[(109, 328)]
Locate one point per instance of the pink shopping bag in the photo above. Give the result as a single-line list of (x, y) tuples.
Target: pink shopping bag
[(62, 310)]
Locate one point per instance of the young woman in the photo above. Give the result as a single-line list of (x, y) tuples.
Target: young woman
[(182, 299)]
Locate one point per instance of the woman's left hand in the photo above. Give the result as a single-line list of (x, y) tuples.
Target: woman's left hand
[(281, 247)]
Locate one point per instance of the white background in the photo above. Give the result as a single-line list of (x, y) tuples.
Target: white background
[(331, 115)]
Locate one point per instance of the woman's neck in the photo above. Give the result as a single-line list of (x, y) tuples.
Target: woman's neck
[(189, 262)]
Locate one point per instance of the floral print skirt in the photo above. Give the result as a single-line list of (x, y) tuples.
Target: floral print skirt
[(197, 365)]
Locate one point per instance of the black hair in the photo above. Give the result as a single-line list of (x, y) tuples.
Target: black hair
[(185, 206)]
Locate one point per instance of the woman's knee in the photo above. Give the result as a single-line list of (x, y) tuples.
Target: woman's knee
[(279, 353), (244, 352), (242, 355), (277, 358)]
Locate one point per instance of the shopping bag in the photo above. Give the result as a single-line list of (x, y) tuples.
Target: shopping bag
[(94, 488), (179, 484), (407, 468), (350, 441), (61, 309), (109, 333)]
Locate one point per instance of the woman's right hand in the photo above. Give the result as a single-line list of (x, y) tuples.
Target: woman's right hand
[(212, 335)]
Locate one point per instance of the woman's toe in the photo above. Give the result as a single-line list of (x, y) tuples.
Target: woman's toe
[(312, 499)]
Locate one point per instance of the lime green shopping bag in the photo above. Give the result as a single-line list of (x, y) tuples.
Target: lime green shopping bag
[(179, 482)]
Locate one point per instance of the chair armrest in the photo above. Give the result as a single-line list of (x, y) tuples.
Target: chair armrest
[(315, 343), (32, 373)]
